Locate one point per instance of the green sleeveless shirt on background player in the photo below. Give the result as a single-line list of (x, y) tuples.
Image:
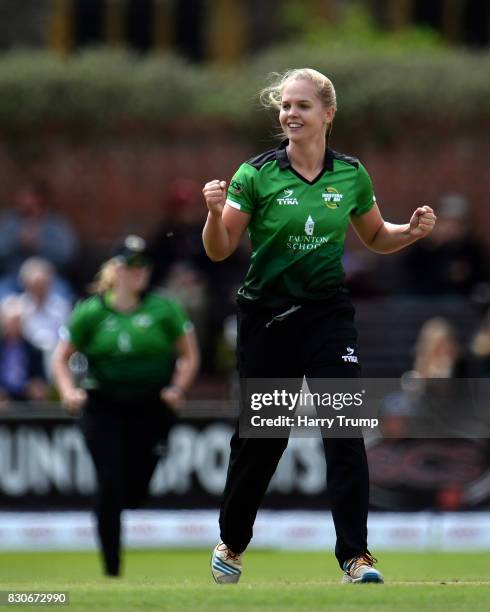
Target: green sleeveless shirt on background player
[(297, 227), (128, 354)]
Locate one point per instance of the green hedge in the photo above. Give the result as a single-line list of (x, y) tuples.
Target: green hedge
[(101, 89)]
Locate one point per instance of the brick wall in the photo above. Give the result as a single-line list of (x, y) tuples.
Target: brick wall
[(111, 187)]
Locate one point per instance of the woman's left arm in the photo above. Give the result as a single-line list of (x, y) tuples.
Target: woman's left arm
[(186, 367), (383, 237)]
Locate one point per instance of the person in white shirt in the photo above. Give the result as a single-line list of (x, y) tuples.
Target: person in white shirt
[(43, 310)]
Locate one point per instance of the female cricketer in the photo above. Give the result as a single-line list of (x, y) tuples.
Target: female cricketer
[(142, 356), (295, 318)]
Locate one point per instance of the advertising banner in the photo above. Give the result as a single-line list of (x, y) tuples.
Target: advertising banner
[(44, 465)]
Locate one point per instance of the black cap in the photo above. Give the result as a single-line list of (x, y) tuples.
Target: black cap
[(133, 252)]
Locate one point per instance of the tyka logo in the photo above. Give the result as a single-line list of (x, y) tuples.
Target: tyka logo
[(332, 197), (350, 357), (288, 199)]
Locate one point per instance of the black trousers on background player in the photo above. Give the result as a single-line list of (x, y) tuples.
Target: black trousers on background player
[(123, 440), (307, 342)]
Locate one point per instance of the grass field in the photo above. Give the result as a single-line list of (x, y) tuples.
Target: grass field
[(173, 580)]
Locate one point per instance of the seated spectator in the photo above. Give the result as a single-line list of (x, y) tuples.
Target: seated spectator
[(21, 364), (178, 236), (43, 310), (33, 229), (437, 351), (450, 262), (480, 349), (188, 285), (178, 239), (205, 288), (439, 384), (431, 388)]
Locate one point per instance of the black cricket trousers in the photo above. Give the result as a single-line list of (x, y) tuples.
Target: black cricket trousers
[(123, 438), (309, 341)]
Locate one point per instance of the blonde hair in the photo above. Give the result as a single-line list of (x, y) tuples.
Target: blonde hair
[(105, 278), (481, 344), (427, 363), (271, 96)]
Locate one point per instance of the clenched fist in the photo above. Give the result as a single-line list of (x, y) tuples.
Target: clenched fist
[(215, 195), (172, 396), (422, 222), (73, 399)]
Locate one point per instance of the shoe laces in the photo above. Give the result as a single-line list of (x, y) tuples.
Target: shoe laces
[(229, 554), (364, 559), (233, 556)]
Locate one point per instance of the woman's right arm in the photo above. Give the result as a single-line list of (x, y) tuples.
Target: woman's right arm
[(72, 397), (225, 224)]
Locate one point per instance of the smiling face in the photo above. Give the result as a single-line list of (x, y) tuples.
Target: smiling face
[(303, 116)]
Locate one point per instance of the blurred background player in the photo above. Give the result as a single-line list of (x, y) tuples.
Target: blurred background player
[(142, 357)]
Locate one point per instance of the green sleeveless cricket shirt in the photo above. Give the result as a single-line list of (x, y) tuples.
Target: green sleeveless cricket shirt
[(297, 227)]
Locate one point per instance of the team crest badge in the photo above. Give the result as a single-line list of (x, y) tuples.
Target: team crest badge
[(332, 198)]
